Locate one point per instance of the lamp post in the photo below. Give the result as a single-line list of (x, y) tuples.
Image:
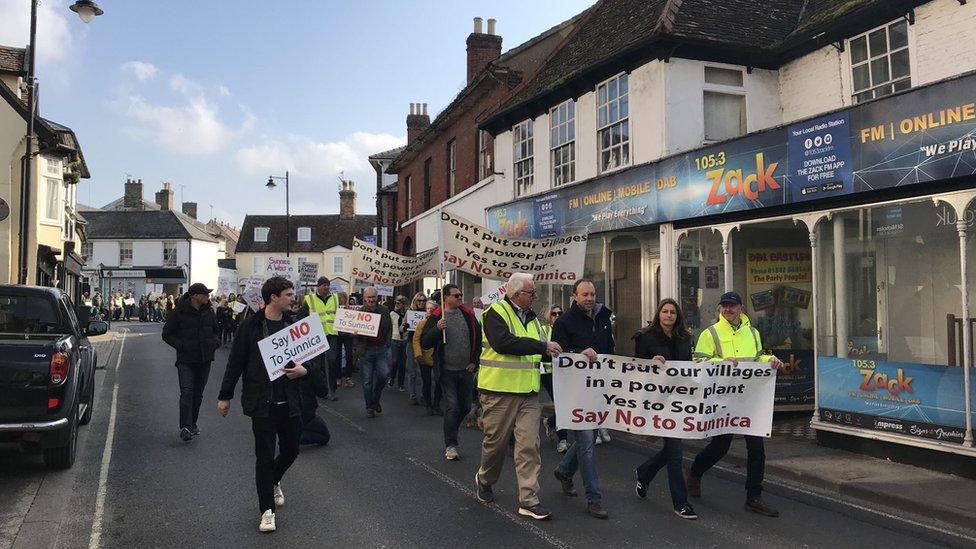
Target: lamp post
[(271, 185), (86, 10)]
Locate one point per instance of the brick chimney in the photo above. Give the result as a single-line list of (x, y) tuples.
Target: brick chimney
[(132, 200), (417, 120), (190, 209), (164, 197), (347, 200), (483, 48)]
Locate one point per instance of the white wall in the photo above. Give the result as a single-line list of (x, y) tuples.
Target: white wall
[(147, 252), (647, 101), (104, 252), (203, 263)]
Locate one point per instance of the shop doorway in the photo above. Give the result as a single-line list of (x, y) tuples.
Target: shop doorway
[(625, 269)]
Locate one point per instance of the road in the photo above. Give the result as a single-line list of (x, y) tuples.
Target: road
[(380, 483)]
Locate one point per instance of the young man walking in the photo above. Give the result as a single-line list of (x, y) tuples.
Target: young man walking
[(275, 407), (455, 335), (191, 329)]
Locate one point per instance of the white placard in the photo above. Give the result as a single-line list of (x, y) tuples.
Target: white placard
[(297, 343), (384, 289), (252, 292), (469, 247), (414, 318), (493, 296), (308, 273), (281, 266), (226, 281), (238, 307), (678, 399), (356, 322), (376, 265), (129, 301)]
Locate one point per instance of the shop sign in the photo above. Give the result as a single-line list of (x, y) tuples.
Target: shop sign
[(919, 400), (912, 138)]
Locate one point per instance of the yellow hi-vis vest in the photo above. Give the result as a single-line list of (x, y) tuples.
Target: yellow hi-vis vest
[(326, 311), (547, 335), (508, 373)]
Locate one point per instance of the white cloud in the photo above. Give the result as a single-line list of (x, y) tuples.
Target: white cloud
[(223, 91), (315, 159), (184, 85), (141, 70), (55, 43), (192, 128)]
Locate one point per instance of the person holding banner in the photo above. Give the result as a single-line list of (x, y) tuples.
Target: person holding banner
[(733, 338), (324, 305), (509, 383), (666, 338), (587, 330), (374, 354), (275, 407)]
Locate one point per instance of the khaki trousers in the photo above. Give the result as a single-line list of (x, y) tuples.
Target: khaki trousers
[(501, 415)]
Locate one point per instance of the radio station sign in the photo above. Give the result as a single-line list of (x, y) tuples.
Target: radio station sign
[(916, 137)]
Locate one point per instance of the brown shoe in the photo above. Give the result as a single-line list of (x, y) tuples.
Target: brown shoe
[(694, 485)]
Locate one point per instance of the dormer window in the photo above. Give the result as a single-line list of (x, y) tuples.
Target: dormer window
[(261, 234), (304, 234)]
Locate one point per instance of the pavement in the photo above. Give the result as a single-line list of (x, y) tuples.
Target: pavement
[(384, 482)]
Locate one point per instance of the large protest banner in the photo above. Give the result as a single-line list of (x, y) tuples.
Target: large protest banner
[(677, 399), (376, 265), (474, 249)]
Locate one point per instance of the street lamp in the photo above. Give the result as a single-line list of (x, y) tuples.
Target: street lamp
[(271, 185), (87, 10)]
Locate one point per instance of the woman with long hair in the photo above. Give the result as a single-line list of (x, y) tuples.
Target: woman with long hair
[(666, 338), (425, 360), (414, 378)]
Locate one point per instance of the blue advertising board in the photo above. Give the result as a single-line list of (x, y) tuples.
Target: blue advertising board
[(922, 135), (921, 400)]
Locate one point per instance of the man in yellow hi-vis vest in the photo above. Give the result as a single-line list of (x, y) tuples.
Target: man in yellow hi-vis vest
[(323, 304), (733, 338), (508, 383)]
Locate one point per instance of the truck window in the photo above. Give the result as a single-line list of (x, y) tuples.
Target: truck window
[(21, 314)]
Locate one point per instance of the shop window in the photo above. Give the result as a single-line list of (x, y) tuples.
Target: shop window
[(879, 61), (613, 123), (522, 138), (562, 294), (562, 142), (701, 272)]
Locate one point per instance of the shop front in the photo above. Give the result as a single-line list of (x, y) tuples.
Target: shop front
[(848, 236)]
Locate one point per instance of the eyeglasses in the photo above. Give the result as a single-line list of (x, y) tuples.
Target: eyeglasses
[(458, 295), (421, 301), (556, 313), (530, 292)]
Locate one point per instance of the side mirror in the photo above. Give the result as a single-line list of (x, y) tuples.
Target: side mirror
[(96, 328)]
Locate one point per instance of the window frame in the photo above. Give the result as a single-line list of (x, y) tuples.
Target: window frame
[(175, 249), (87, 250), (485, 167), (523, 133), (409, 196), (53, 200), (267, 233), (869, 59), (567, 146), (428, 190), (724, 89), (452, 167), (338, 260), (608, 127), (298, 235), (123, 246)]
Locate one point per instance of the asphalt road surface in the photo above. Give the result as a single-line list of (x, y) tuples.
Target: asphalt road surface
[(381, 482)]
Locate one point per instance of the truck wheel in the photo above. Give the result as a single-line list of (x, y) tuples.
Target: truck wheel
[(63, 457), (90, 403)]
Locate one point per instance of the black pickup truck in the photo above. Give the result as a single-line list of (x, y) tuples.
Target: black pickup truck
[(47, 371)]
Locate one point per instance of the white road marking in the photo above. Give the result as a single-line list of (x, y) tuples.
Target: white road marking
[(96, 533), (344, 418), (523, 523)]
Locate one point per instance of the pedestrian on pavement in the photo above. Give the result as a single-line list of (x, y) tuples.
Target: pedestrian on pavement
[(666, 338), (587, 330), (398, 348), (323, 304), (424, 358), (453, 332), (191, 330), (561, 435), (509, 382), (374, 354), (413, 377), (733, 338), (170, 305), (275, 407)]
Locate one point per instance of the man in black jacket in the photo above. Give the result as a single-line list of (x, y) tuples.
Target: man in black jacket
[(191, 329), (275, 407), (585, 329), (455, 335)]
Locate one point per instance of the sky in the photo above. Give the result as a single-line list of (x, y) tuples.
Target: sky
[(215, 96)]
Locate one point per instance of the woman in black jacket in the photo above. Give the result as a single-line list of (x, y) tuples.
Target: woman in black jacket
[(666, 338)]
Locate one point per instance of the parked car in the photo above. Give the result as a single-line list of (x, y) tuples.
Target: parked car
[(47, 371)]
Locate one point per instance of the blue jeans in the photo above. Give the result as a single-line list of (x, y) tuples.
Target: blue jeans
[(315, 432), (414, 382), (374, 365), (670, 455), (580, 456), (193, 379)]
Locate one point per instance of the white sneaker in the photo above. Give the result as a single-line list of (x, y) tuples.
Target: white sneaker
[(279, 495), (267, 522), (597, 440), (451, 454), (562, 446), (605, 435)]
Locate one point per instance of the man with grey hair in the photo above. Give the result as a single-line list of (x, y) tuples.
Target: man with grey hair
[(374, 353), (508, 383)]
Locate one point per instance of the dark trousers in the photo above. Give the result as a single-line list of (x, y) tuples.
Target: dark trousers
[(427, 376), (561, 434), (398, 362), (333, 358), (193, 379), (456, 387), (347, 364), (278, 427), (755, 460), (670, 455), (315, 431)]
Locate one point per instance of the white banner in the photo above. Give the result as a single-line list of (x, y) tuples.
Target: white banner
[(677, 399), (280, 266), (226, 281), (376, 265), (356, 322), (414, 318), (297, 343), (472, 248)]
